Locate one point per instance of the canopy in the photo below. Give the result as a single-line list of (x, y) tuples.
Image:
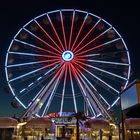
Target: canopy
[(8, 122), (41, 122), (132, 123), (97, 123)]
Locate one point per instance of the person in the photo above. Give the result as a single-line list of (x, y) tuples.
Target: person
[(110, 137), (25, 138), (42, 138)]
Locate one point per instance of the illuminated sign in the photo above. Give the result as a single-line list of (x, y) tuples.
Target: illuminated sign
[(66, 114), (64, 121)]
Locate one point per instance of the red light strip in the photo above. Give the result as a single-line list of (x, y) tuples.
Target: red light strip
[(79, 32)]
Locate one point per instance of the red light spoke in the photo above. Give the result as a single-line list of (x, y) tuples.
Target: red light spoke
[(80, 59), (63, 30), (86, 35), (71, 30), (51, 52), (96, 47), (47, 44), (51, 60), (92, 40), (56, 33), (53, 63), (79, 32), (46, 33)]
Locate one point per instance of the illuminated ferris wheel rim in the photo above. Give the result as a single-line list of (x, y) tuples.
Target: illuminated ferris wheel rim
[(66, 55)]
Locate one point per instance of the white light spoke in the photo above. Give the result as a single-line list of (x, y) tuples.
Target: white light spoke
[(48, 85), (53, 92), (104, 100), (73, 91), (100, 79), (84, 94), (93, 40), (31, 72), (98, 102), (40, 78), (35, 47), (92, 93), (63, 91), (97, 47), (110, 73), (32, 63), (33, 106), (32, 54), (108, 62)]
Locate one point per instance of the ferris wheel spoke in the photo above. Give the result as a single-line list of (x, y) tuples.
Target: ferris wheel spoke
[(32, 54), (63, 91), (97, 100), (32, 63), (91, 85), (53, 92), (41, 96), (110, 73), (44, 42), (86, 79), (63, 30), (87, 56), (79, 32), (105, 55), (102, 81), (36, 82), (83, 90), (31, 72), (46, 33), (36, 47), (109, 62), (97, 37), (50, 82), (73, 91), (71, 30), (97, 47), (105, 101), (86, 35), (94, 88), (55, 32)]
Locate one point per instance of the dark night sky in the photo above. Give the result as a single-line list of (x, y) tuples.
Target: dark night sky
[(124, 16)]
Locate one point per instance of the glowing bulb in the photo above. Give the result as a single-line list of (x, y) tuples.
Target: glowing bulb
[(67, 55)]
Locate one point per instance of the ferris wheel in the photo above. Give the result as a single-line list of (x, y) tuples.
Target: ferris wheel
[(67, 60)]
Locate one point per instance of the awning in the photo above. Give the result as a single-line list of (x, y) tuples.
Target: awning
[(39, 123), (8, 122), (97, 123), (132, 123)]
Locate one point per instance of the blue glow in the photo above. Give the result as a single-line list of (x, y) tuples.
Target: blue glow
[(67, 55)]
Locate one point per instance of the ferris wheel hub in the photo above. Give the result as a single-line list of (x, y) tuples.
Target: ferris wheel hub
[(67, 55)]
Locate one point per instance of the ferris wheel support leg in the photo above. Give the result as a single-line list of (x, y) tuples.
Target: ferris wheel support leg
[(32, 108), (96, 98)]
